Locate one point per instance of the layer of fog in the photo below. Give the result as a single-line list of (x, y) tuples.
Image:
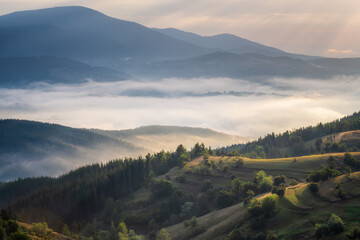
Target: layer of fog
[(233, 106)]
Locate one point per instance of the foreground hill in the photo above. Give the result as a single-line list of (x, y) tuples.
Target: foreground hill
[(30, 148), (179, 194)]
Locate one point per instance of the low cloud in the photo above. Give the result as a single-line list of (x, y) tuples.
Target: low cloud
[(233, 106), (346, 51)]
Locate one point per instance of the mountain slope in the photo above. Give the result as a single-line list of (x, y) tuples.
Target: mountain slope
[(224, 64), (21, 71), (30, 148), (40, 149), (158, 138), (228, 42), (88, 35)]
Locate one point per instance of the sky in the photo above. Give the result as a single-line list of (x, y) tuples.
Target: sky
[(317, 27)]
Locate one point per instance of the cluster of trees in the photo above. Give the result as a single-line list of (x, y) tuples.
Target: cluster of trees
[(271, 145), (245, 191), (78, 195), (9, 229), (261, 210), (325, 173), (351, 161), (210, 167), (333, 226)]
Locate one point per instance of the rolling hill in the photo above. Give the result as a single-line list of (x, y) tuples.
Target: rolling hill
[(158, 138), (196, 194), (29, 149)]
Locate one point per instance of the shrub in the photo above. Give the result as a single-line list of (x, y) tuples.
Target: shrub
[(279, 190), (266, 207), (335, 224), (11, 227), (354, 233), (206, 185), (2, 233), (163, 235), (322, 174), (162, 188), (191, 222), (225, 199), (279, 180), (314, 187), (41, 229), (341, 193), (271, 236), (321, 230), (235, 234), (19, 236), (293, 182)]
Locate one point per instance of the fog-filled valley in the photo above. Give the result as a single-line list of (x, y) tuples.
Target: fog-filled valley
[(235, 106)]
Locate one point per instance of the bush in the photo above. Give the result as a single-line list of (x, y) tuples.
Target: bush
[(180, 178), (206, 185), (225, 199), (162, 188), (235, 234), (191, 222), (321, 230), (266, 207), (354, 233), (341, 193), (314, 187), (322, 174), (41, 229), (11, 227), (2, 233), (19, 236), (163, 235), (293, 182), (279, 180), (335, 224), (279, 190), (271, 236)]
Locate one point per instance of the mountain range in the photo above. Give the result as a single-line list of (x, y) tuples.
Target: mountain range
[(79, 43)]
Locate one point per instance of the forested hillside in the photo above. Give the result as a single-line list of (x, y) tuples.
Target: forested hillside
[(321, 138)]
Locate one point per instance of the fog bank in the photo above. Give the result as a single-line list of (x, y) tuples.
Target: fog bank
[(233, 106)]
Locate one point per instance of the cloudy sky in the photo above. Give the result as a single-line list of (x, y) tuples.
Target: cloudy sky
[(317, 27)]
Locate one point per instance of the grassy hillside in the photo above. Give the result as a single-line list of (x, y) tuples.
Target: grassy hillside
[(299, 209), (199, 193)]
